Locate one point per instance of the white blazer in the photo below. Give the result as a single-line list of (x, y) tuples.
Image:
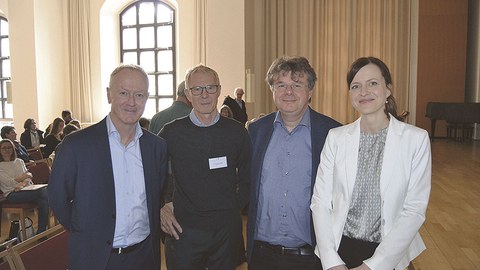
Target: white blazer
[(404, 187)]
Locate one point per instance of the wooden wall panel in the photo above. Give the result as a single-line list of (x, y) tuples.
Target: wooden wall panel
[(442, 44)]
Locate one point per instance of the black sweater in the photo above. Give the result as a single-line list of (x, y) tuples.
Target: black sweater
[(206, 198)]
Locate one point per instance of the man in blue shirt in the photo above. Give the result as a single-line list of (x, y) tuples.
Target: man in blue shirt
[(106, 183), (286, 148)]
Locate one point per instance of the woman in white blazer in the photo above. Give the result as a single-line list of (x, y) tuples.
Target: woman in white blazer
[(373, 181)]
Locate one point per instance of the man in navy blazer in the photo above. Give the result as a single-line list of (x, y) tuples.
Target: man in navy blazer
[(106, 183), (286, 147)]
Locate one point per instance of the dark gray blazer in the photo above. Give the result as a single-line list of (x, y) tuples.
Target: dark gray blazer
[(82, 193)]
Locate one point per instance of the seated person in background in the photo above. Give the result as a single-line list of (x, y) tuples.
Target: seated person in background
[(69, 129), (67, 116), (76, 123), (144, 122), (14, 176), (225, 111), (66, 130), (32, 137), (8, 132), (55, 136)]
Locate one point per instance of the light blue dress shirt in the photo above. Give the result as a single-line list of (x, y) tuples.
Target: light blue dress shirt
[(198, 123), (283, 215), (132, 222)]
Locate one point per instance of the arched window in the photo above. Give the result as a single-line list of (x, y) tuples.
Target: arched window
[(147, 33), (6, 108)]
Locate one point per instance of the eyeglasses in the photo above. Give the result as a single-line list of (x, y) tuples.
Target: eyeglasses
[(198, 90), (282, 87)]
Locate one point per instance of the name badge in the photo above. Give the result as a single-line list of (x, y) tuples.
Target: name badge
[(217, 163)]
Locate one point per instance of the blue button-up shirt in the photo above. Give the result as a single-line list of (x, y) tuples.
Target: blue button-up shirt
[(132, 222), (283, 216)]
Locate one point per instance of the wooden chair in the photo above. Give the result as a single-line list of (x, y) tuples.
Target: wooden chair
[(19, 209), (7, 258), (40, 171), (35, 153), (50, 253)]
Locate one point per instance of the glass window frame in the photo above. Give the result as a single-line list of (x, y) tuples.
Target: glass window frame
[(3, 79), (156, 95)]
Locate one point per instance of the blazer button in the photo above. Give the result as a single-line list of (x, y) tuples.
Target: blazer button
[(109, 242), (113, 216)]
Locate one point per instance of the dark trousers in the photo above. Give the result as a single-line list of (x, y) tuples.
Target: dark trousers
[(140, 258), (353, 251), (197, 249), (265, 259), (38, 196)]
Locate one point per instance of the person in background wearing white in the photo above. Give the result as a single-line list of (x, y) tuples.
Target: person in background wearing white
[(14, 176)]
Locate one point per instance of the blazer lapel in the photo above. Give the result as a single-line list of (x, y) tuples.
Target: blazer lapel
[(147, 158), (352, 141), (391, 150)]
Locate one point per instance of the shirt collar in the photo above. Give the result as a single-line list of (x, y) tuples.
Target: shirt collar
[(198, 123), (305, 121), (111, 129)]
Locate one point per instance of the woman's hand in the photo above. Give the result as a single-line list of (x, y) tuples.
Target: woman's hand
[(19, 186), (361, 267), (338, 267)]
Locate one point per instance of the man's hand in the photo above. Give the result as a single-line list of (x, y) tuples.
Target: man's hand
[(168, 221)]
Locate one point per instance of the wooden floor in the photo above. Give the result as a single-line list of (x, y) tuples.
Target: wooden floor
[(452, 229)]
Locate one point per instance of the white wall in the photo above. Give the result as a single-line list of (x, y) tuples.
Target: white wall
[(21, 18), (226, 43), (52, 68)]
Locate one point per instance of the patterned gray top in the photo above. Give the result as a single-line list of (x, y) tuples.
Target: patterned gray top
[(364, 216)]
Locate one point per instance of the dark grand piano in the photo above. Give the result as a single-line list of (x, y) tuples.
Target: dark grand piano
[(461, 113)]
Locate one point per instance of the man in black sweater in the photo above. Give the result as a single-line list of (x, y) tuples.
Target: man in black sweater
[(210, 158)]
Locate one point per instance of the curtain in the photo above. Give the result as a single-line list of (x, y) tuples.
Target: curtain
[(79, 50), (332, 34)]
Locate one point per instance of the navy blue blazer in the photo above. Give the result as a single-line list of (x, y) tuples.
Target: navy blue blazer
[(82, 193), (260, 132)]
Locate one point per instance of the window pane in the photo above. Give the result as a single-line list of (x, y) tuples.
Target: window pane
[(147, 37), (164, 60), (6, 68), (151, 85), (150, 108), (5, 47), (164, 103), (130, 17), (147, 61), (4, 28), (8, 110), (164, 14), (164, 36), (129, 38), (165, 84), (130, 58), (146, 14)]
